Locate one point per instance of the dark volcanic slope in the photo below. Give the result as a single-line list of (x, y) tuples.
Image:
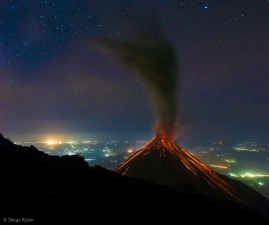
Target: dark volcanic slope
[(163, 162), (60, 190)]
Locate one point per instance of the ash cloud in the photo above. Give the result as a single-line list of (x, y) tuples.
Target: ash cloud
[(143, 47)]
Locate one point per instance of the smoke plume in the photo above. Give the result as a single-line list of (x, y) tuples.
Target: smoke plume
[(143, 48)]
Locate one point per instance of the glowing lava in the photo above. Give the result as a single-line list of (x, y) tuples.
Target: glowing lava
[(164, 162)]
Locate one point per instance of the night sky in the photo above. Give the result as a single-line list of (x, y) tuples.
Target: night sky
[(56, 82)]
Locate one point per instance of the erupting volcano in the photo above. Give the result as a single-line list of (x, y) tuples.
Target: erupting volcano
[(162, 160)]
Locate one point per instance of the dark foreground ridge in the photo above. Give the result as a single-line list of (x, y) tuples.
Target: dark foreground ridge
[(44, 189)]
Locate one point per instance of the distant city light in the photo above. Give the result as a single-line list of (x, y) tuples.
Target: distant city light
[(222, 167), (248, 175), (232, 174), (50, 142)]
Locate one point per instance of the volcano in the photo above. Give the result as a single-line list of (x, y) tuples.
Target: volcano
[(163, 161)]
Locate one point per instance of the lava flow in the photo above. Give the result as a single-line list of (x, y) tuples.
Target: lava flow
[(164, 162)]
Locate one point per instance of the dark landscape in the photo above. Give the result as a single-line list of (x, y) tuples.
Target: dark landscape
[(55, 190)]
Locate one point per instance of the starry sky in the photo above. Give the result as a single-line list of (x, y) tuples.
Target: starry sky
[(54, 82)]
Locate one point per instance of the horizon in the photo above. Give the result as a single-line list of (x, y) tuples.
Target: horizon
[(65, 137), (135, 136)]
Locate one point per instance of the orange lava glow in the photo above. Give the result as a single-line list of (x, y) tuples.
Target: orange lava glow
[(193, 165)]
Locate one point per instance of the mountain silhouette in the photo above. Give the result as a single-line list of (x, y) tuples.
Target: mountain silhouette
[(56, 190)]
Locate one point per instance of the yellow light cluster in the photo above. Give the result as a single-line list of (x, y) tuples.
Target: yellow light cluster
[(222, 167), (230, 160)]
